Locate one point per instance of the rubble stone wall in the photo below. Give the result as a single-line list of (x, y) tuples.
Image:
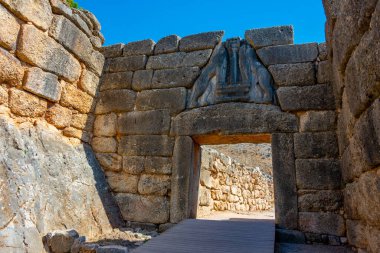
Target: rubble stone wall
[(353, 39), (226, 185)]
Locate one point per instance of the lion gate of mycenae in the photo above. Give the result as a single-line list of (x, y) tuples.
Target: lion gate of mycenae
[(159, 101)]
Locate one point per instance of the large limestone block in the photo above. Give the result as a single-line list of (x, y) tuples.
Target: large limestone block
[(104, 145), (286, 54), (317, 201), (73, 97), (83, 121), (89, 82), (25, 104), (3, 95), (316, 145), (96, 62), (142, 47), (318, 174), (322, 223), (316, 97), (58, 7), (115, 101), (105, 125), (128, 63), (142, 80), (324, 72), (36, 11), (11, 71), (120, 80), (272, 36), (173, 100), (37, 48), (146, 145), (133, 164), (233, 118), (315, 121), (168, 44), (158, 165), (154, 185), (59, 116), (148, 122), (297, 74), (9, 30), (111, 162), (43, 84), (323, 53), (122, 182), (200, 41), (113, 50), (151, 209), (171, 78)]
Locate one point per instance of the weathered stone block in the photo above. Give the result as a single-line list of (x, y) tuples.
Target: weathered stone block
[(167, 44), (322, 223), (25, 104), (105, 125), (146, 145), (58, 116), (297, 74), (9, 31), (317, 201), (3, 95), (94, 21), (158, 165), (285, 190), (43, 84), (58, 7), (166, 61), (112, 162), (272, 36), (357, 233), (200, 41), (37, 48), (233, 118), (154, 185), (196, 58), (318, 174), (148, 122), (322, 50), (142, 80), (170, 78), (77, 133), (96, 62), (73, 97), (133, 164), (128, 63), (315, 121), (115, 101), (119, 80), (317, 97), (122, 182), (144, 47), (324, 72), (11, 71), (89, 82), (38, 12), (61, 241), (83, 121), (153, 209), (104, 145), (173, 100), (113, 50), (315, 145), (288, 54)]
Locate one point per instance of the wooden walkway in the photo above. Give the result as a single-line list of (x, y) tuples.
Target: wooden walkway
[(201, 236)]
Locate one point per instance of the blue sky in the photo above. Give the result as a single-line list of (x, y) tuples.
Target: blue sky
[(132, 20)]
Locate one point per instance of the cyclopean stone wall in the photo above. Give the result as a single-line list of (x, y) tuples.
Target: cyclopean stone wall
[(50, 66), (160, 101), (227, 185), (353, 39)]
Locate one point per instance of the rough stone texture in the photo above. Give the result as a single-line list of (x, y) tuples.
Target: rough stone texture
[(286, 207), (298, 74), (59, 116), (72, 97), (11, 71), (233, 118), (83, 121), (9, 31), (180, 59), (89, 82), (143, 47), (3, 95), (146, 145), (104, 145), (120, 80), (128, 63), (105, 125), (25, 104), (158, 165), (200, 41), (173, 100), (38, 12), (317, 97), (154, 184), (287, 54), (58, 7), (152, 209), (61, 241), (112, 162), (168, 44), (170, 78), (133, 164), (113, 50), (148, 122), (107, 103), (273, 36), (37, 48), (323, 53), (77, 133), (323, 174), (322, 223), (122, 182), (43, 84), (315, 145), (315, 121), (142, 80), (324, 72), (316, 201)]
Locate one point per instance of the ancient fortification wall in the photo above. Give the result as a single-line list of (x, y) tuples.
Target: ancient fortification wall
[(226, 184), (353, 36)]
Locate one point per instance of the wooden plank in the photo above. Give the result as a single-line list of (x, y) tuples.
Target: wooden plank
[(201, 236)]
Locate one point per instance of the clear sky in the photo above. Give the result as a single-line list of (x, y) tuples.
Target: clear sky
[(132, 20)]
